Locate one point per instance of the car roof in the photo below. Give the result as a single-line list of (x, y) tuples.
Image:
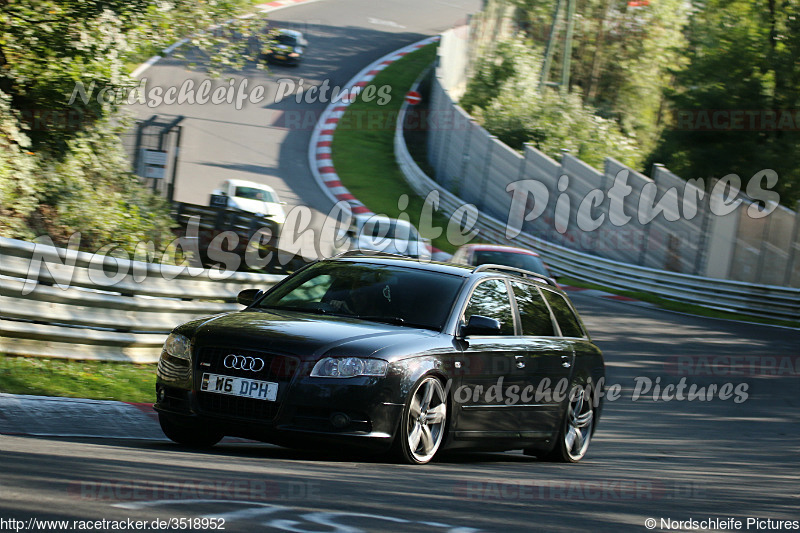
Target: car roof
[(293, 33), (245, 183), (500, 248), (381, 218)]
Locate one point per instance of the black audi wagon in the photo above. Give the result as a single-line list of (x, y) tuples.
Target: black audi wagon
[(390, 354)]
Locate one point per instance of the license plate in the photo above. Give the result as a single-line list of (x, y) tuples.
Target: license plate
[(279, 56), (242, 387)]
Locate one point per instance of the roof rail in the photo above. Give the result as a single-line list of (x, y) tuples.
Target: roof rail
[(367, 253), (517, 271)]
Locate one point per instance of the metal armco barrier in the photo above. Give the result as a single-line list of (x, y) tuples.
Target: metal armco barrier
[(758, 300), (68, 304)]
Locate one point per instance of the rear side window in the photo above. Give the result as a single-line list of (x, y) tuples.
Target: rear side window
[(534, 315), (490, 299), (566, 319)]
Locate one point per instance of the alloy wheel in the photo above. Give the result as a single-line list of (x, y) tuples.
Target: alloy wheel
[(426, 418)]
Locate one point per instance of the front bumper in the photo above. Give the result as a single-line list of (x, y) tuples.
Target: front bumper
[(283, 58), (364, 411)]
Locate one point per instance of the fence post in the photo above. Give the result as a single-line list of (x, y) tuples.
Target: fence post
[(557, 237), (705, 223), (171, 186), (787, 277), (605, 185), (486, 168), (646, 242), (455, 187), (762, 252), (444, 136)]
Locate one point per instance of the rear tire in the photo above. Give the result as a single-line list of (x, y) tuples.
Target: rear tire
[(423, 422), (188, 433), (577, 428)]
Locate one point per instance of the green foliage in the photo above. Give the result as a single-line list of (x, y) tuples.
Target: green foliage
[(622, 56), (742, 58), (98, 380), (62, 167), (17, 164), (90, 194), (491, 72), (517, 112)]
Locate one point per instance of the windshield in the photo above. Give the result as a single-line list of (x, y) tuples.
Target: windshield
[(531, 263), (251, 193), (283, 38), (381, 293)]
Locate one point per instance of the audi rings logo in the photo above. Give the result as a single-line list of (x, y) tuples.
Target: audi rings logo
[(243, 362)]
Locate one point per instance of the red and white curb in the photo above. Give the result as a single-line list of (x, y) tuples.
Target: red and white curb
[(47, 416), (52, 416), (267, 7), (320, 157)]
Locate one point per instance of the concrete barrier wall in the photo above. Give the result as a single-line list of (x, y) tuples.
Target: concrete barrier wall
[(687, 234)]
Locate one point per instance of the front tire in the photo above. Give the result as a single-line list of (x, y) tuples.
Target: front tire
[(423, 423), (576, 428), (188, 433)]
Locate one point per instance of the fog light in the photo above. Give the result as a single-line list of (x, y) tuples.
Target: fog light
[(340, 420), (161, 394)]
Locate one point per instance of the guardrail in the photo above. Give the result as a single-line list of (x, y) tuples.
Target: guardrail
[(67, 304), (758, 300)]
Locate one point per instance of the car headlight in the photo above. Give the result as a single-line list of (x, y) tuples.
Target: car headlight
[(279, 217), (348, 367), (178, 346)]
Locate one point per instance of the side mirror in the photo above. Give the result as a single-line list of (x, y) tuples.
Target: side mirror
[(481, 325), (248, 296)]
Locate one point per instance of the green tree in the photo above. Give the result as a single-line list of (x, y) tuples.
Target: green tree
[(62, 166), (743, 59), (622, 56), (518, 112), (17, 164)]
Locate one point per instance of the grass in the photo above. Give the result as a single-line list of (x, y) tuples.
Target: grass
[(363, 147), (681, 307), (98, 380)]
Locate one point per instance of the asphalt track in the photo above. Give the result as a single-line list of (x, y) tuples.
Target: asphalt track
[(649, 459)]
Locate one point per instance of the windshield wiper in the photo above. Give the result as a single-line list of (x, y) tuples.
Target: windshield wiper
[(395, 320), (314, 310)]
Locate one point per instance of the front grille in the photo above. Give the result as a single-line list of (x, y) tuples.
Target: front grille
[(219, 404), (277, 368)]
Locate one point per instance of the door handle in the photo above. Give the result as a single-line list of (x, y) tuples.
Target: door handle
[(520, 361), (565, 361)]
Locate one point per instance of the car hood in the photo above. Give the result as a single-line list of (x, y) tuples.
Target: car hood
[(261, 208), (308, 337)]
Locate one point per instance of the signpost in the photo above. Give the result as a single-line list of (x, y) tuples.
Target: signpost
[(153, 163)]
